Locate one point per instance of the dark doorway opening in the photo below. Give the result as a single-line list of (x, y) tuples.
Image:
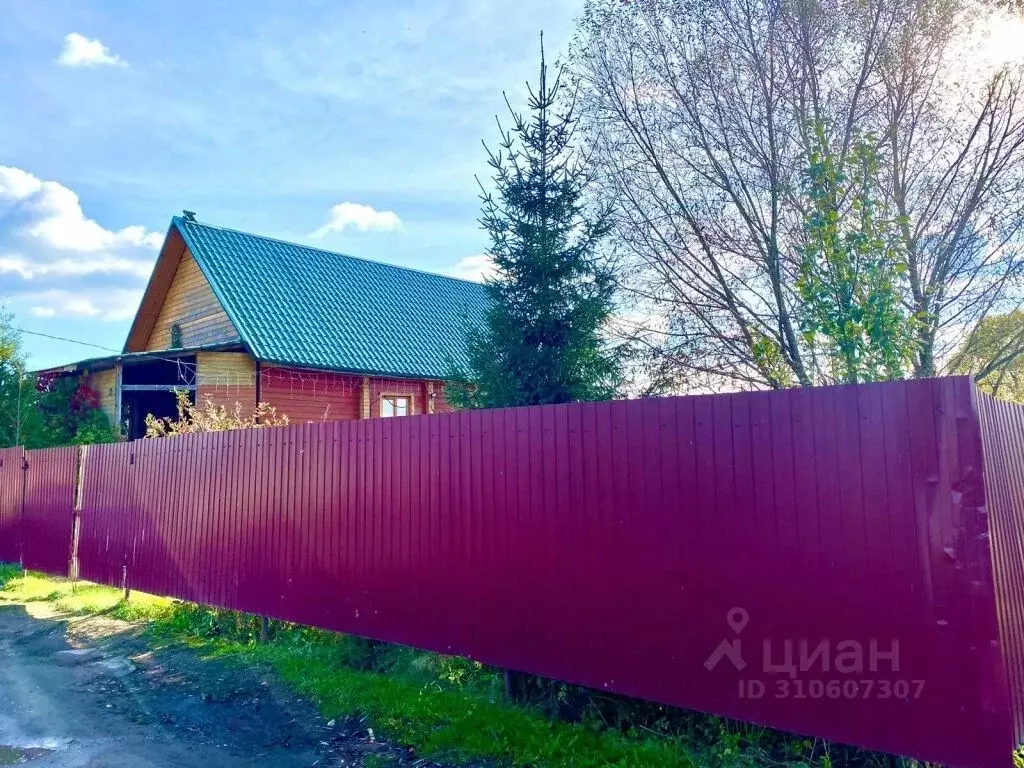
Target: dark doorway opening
[(135, 406), (150, 387), (170, 372)]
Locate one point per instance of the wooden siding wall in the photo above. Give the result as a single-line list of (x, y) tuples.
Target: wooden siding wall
[(226, 378), (322, 396), (105, 383), (440, 402), (305, 395), (191, 304)]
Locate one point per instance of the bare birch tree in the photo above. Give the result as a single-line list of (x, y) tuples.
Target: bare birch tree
[(700, 115)]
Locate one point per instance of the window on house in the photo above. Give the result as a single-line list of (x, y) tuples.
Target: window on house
[(393, 405), (175, 336)]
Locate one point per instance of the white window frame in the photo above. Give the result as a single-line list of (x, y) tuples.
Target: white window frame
[(393, 402)]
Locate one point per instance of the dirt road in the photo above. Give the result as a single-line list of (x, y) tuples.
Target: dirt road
[(94, 692)]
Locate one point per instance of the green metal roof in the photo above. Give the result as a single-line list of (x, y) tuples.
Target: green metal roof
[(303, 306)]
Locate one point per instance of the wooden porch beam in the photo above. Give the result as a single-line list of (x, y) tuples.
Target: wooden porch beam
[(158, 387)]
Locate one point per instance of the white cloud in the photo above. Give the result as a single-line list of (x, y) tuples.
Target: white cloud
[(108, 305), (57, 262), (16, 184), (58, 217), (358, 216), (81, 51), (14, 264), (69, 267), (474, 268)]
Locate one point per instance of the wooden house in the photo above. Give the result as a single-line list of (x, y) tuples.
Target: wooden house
[(237, 317)]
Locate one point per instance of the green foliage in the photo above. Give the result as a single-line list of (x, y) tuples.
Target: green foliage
[(769, 359), (10, 341), (8, 572), (542, 340), (18, 418), (993, 354), (852, 269), (198, 621), (93, 428), (379, 761), (41, 413), (453, 725), (69, 411)]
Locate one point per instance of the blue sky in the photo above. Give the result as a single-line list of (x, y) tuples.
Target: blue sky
[(354, 126)]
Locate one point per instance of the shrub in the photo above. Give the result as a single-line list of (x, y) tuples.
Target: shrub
[(210, 417), (69, 413)]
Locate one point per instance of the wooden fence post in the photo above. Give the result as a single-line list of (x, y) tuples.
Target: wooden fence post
[(76, 518), (21, 511)]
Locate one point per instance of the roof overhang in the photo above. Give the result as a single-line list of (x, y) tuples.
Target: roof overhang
[(102, 363)]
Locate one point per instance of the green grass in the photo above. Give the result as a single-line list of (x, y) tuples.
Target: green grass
[(7, 573), (376, 761), (453, 723), (447, 708), (81, 597)]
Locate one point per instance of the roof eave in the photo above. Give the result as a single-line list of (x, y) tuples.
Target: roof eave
[(109, 361)]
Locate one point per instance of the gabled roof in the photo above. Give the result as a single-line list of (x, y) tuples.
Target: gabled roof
[(296, 305)]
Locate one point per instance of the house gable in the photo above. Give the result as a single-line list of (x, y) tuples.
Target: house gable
[(179, 295), (191, 305)]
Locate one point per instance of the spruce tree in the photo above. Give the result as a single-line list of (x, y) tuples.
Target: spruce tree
[(552, 292)]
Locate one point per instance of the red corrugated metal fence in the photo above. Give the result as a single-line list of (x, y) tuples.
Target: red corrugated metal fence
[(1003, 438), (11, 497), (816, 560), (49, 509)]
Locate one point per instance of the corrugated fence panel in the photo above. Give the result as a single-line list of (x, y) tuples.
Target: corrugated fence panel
[(1003, 435), (11, 493), (813, 560), (49, 509), (109, 512)]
